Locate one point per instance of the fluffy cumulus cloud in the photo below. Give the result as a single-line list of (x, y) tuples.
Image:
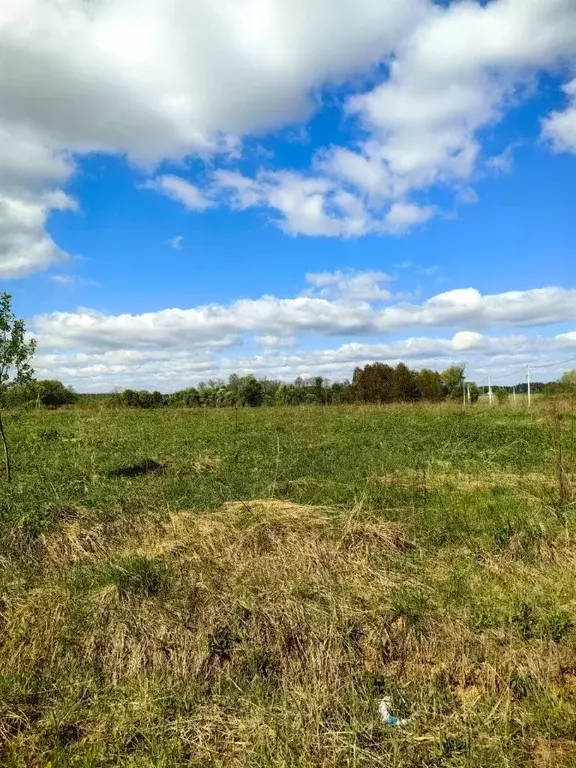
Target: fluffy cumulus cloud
[(180, 190), (25, 247), (504, 357), (177, 346), (453, 73), (347, 314), (560, 126), (453, 70), (359, 286), (403, 216), (159, 81), (301, 205)]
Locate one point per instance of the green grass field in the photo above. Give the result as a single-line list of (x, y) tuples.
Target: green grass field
[(241, 588)]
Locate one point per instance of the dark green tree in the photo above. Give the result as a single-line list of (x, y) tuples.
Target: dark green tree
[(290, 394), (319, 390), (131, 398), (251, 392), (374, 383), (341, 392), (430, 385), (404, 385), (185, 398), (453, 381)]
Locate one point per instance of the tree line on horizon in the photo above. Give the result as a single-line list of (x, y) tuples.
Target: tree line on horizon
[(375, 383)]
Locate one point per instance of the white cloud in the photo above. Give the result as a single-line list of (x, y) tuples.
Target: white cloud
[(243, 192), (467, 196), (503, 162), (308, 205), (345, 315), (24, 245), (455, 72), (159, 80), (72, 281), (560, 126), (180, 190), (26, 163), (303, 204), (349, 286), (404, 216), (275, 342), (65, 280), (505, 357), (176, 242)]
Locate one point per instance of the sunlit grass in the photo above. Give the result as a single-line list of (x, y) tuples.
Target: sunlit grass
[(221, 588)]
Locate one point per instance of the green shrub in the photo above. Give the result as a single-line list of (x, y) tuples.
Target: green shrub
[(49, 393)]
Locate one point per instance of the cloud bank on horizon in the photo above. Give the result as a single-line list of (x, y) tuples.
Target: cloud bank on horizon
[(174, 346), (186, 95)]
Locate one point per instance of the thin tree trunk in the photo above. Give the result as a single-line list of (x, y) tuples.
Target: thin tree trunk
[(6, 453)]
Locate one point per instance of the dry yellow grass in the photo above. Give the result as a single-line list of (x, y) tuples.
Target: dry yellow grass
[(273, 628)]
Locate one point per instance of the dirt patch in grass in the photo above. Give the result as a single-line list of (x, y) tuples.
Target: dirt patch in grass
[(145, 467)]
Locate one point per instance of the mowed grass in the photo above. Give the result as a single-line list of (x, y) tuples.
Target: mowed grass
[(242, 588)]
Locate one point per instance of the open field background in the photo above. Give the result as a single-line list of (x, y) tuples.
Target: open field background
[(241, 588)]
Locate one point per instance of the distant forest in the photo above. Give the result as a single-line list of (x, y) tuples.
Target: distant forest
[(376, 383)]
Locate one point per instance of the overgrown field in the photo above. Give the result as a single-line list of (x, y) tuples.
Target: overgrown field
[(242, 588)]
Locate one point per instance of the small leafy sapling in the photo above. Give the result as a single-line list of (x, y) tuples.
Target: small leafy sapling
[(16, 351)]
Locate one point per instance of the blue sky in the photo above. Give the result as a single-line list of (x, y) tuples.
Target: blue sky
[(189, 190)]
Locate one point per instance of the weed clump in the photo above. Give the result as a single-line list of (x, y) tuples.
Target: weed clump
[(135, 575)]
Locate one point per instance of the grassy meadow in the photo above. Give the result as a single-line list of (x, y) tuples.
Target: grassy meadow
[(242, 588)]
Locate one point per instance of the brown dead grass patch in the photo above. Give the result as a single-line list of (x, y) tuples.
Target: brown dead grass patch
[(260, 525), (555, 753), (277, 618)]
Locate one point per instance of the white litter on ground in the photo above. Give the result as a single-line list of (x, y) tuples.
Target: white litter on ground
[(384, 710)]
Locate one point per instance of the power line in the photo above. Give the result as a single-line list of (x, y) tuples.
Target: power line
[(553, 365), (516, 372), (535, 367)]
